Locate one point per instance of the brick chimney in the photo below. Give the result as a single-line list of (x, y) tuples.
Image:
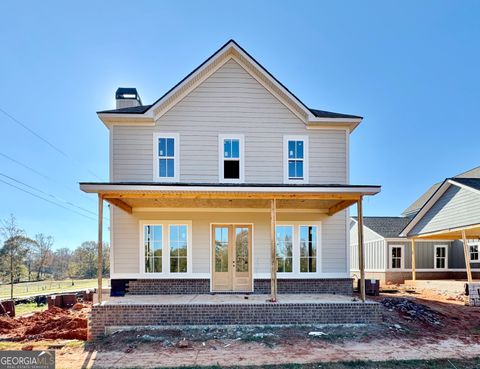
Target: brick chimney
[(127, 97)]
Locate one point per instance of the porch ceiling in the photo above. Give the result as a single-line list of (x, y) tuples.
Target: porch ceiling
[(328, 198), (471, 232)]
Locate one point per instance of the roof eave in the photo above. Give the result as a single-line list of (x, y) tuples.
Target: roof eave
[(110, 119), (344, 123)]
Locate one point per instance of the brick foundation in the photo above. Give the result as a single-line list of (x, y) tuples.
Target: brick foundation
[(103, 316), (339, 286), (168, 286)]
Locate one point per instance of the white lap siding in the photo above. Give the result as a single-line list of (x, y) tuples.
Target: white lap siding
[(126, 239), (229, 101)]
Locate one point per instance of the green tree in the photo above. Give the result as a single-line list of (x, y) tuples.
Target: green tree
[(14, 250)]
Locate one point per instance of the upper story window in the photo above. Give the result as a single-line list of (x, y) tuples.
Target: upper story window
[(295, 159), (166, 157), (231, 158)]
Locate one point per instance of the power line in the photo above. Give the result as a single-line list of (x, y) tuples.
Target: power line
[(41, 174), (48, 194), (47, 200), (54, 147)]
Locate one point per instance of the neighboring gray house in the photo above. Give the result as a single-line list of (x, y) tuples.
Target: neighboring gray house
[(388, 253)]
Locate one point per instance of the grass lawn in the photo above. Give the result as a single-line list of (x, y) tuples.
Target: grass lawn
[(47, 287), (392, 364), (31, 307)]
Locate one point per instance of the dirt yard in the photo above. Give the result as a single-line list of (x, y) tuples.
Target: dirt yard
[(421, 325)]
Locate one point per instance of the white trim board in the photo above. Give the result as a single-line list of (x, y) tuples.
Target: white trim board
[(98, 188)]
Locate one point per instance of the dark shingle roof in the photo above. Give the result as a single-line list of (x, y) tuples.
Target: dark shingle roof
[(418, 203), (329, 114), (387, 227), (131, 110), (470, 182), (317, 113)]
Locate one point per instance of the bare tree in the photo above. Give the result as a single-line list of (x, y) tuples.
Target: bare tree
[(61, 262), (43, 253)]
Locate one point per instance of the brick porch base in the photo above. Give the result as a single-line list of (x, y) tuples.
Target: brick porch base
[(255, 313)]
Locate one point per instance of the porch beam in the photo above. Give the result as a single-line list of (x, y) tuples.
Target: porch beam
[(340, 206), (233, 195), (414, 261), (273, 253), (100, 247), (361, 252), (120, 204), (466, 252)]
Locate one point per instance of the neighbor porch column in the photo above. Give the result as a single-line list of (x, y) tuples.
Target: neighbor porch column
[(361, 252), (414, 262), (466, 251), (273, 253), (99, 247)]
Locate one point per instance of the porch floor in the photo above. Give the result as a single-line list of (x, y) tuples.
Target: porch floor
[(220, 299)]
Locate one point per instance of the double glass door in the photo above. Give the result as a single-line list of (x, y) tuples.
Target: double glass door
[(232, 257)]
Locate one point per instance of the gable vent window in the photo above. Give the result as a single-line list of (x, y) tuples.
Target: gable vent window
[(231, 158), (295, 159), (166, 157)]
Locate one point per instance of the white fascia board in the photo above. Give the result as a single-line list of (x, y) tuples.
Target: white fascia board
[(115, 119), (458, 184), (440, 191), (95, 188)]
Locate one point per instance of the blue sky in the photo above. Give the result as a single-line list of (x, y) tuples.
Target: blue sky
[(410, 68)]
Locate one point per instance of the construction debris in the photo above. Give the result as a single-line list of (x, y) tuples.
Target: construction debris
[(413, 311), (54, 323), (317, 334)]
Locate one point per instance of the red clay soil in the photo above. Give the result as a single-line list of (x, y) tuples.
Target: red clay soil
[(54, 323)]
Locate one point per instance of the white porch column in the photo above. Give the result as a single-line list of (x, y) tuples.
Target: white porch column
[(466, 252), (361, 252), (100, 247), (273, 255)]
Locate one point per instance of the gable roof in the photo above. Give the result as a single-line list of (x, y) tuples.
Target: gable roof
[(418, 203), (473, 184), (231, 50), (387, 227)]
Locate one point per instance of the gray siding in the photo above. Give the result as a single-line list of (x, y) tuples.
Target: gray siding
[(126, 237), (455, 208), (229, 101), (424, 253)]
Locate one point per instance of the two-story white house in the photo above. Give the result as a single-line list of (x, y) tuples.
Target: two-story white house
[(228, 183)]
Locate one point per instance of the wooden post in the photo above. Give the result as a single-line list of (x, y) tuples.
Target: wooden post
[(361, 252), (466, 251), (100, 247), (414, 262), (273, 253)]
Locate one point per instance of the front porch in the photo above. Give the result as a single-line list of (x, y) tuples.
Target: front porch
[(130, 312)]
